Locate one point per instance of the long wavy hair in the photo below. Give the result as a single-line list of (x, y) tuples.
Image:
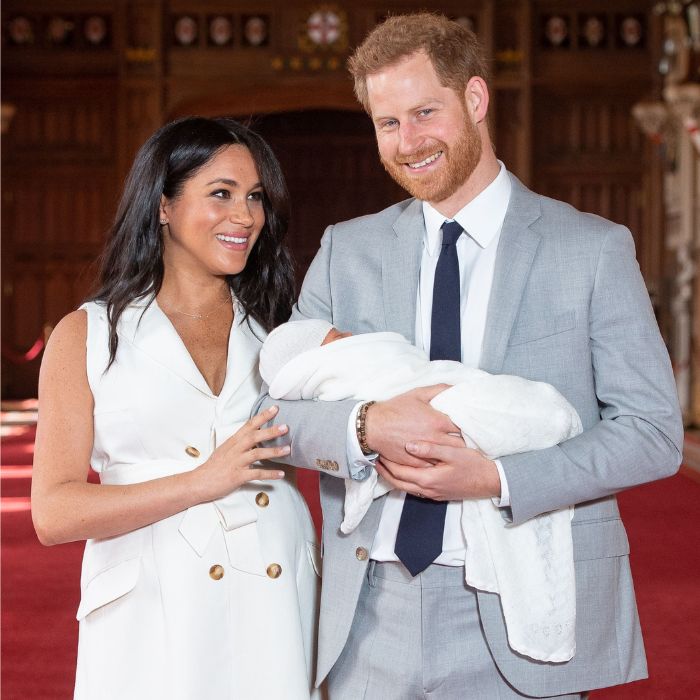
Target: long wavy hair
[(132, 262)]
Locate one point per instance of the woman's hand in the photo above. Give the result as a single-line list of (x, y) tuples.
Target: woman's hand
[(229, 466)]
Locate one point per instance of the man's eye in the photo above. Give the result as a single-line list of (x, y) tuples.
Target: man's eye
[(426, 112)]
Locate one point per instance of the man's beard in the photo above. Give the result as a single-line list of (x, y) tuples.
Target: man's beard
[(460, 162)]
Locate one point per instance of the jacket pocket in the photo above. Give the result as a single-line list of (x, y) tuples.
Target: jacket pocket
[(111, 569), (543, 327), (598, 539)]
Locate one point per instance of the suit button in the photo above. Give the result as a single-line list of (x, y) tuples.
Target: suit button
[(192, 451), (262, 499), (361, 553), (216, 572), (274, 571)]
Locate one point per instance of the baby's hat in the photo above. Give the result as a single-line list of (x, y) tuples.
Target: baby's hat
[(289, 340)]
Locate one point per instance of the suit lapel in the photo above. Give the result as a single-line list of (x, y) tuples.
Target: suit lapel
[(401, 256), (516, 251)]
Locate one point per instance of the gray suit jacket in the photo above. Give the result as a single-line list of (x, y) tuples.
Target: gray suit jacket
[(568, 306)]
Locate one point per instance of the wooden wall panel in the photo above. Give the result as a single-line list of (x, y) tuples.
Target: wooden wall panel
[(560, 120)]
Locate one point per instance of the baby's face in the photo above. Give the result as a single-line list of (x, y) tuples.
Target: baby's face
[(334, 334)]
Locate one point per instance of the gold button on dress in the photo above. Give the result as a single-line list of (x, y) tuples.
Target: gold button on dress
[(262, 499), (192, 451), (274, 571), (216, 572)]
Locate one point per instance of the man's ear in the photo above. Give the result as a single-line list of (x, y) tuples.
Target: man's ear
[(476, 96)]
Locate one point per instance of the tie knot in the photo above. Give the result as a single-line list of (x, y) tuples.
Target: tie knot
[(451, 231)]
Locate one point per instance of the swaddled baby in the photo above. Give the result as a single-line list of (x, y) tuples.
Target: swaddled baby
[(529, 565)]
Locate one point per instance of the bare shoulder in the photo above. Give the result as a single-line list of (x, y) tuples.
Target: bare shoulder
[(65, 354)]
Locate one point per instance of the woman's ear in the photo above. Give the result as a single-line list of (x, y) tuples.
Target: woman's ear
[(162, 210)]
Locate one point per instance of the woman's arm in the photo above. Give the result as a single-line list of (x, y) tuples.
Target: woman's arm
[(65, 507)]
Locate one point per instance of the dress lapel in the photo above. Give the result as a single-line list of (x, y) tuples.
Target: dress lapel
[(145, 326), (401, 256), (243, 352), (516, 251)]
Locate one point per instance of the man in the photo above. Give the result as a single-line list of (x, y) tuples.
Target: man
[(478, 268)]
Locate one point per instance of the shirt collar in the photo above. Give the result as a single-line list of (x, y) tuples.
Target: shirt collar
[(482, 218)]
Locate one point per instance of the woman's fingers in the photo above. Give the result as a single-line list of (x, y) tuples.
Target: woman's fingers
[(259, 419), (265, 434), (258, 454), (260, 474)]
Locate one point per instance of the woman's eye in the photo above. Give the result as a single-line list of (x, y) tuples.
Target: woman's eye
[(256, 196), (221, 194)]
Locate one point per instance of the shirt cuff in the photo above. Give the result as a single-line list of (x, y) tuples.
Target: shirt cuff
[(504, 500), (359, 464)]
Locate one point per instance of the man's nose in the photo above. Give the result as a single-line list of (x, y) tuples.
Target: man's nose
[(409, 138)]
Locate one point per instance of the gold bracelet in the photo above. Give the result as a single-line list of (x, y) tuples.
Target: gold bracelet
[(361, 429)]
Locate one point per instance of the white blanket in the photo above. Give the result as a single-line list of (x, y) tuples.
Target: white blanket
[(529, 565)]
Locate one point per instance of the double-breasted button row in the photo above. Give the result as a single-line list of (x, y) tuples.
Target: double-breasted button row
[(217, 571), (361, 553)]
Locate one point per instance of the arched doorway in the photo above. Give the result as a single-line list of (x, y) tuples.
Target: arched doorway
[(329, 158)]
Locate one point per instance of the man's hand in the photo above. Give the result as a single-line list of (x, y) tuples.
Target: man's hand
[(452, 474), (409, 417)]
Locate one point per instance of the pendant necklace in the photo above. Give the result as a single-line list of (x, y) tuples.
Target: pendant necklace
[(202, 316)]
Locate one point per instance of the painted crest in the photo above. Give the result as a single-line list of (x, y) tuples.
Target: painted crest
[(326, 27)]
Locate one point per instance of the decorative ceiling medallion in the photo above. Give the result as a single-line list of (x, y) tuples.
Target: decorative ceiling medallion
[(467, 23), (326, 27), (185, 30), (220, 31), (630, 31), (59, 30), (256, 30), (21, 31), (592, 31), (95, 30), (556, 31)]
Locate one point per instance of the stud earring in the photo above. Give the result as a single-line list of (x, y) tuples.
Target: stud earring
[(163, 222)]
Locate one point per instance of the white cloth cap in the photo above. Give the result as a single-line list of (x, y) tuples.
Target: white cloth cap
[(289, 340)]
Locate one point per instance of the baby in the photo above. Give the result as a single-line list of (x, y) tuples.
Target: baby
[(529, 565)]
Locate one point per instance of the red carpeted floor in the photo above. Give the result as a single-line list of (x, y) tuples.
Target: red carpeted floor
[(40, 585)]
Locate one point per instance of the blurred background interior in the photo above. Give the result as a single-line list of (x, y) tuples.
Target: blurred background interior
[(594, 102)]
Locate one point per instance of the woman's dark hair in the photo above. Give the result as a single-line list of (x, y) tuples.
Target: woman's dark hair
[(132, 262)]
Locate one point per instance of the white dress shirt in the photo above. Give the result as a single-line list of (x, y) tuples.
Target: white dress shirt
[(482, 220)]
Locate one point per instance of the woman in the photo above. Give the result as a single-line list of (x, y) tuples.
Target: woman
[(200, 573)]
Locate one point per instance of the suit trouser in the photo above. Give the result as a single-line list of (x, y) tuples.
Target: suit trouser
[(418, 638)]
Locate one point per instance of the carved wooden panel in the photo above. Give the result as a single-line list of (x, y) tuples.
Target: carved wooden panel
[(589, 152), (341, 180), (60, 121)]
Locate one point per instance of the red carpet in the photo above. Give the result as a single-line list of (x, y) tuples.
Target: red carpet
[(40, 585)]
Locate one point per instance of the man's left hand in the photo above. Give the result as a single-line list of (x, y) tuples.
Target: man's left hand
[(457, 473)]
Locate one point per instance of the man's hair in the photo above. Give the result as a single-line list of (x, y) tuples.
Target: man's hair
[(454, 50)]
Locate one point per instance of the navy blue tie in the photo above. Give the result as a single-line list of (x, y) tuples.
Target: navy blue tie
[(419, 537)]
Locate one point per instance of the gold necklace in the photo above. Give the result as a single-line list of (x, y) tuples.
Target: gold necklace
[(199, 317)]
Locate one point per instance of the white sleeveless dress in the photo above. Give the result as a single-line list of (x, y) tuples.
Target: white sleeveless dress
[(221, 600)]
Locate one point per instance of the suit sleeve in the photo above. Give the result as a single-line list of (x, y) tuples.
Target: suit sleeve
[(639, 436), (317, 429)]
